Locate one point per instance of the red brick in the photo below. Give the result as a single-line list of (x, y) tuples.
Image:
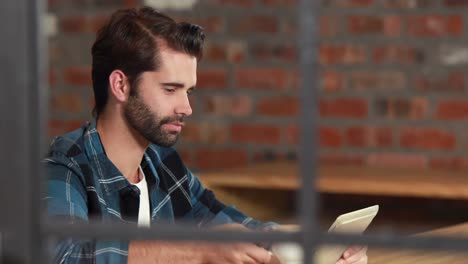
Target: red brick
[(341, 159), (206, 159), (214, 52), (82, 24), (268, 51), (212, 79), (344, 108), (263, 78), (55, 52), (205, 133), (279, 3), (131, 3), (52, 4), (222, 105), (278, 106), (96, 23), (369, 136), (74, 24), (211, 24), (347, 3), (455, 163), (52, 77), (191, 133), (236, 51), (187, 157), (454, 25), (78, 75), (392, 26), (427, 139), (255, 133), (292, 134), (406, 108), (66, 103), (378, 80), (452, 109), (454, 82), (456, 3), (388, 26), (58, 127), (360, 3), (296, 80), (233, 3), (289, 26), (341, 54), (328, 26), (397, 54), (435, 25), (405, 4), (330, 137), (398, 160), (332, 81), (256, 25), (194, 104)]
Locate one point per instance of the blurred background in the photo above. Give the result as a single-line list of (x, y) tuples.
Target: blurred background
[(391, 86)]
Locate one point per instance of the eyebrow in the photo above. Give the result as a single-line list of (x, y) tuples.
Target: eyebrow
[(177, 85), (174, 84)]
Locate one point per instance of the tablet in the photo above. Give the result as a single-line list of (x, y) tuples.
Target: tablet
[(354, 222)]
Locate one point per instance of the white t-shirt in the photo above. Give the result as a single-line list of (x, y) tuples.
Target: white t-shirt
[(144, 218)]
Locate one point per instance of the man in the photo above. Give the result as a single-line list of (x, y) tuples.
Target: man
[(121, 167)]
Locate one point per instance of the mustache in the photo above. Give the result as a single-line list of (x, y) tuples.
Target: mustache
[(172, 119)]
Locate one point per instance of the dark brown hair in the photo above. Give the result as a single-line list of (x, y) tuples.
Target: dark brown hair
[(130, 41)]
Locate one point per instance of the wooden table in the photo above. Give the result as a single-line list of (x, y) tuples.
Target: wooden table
[(379, 256), (266, 191), (403, 182)]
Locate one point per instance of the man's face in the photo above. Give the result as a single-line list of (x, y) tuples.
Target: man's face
[(159, 103)]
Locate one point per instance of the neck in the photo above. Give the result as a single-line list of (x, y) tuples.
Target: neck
[(123, 145)]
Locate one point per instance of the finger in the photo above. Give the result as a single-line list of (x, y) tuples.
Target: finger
[(274, 260), (259, 254), (357, 256), (341, 261), (361, 261), (246, 259), (353, 250)]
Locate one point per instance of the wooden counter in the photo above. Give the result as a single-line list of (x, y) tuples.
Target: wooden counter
[(338, 179), (379, 256)]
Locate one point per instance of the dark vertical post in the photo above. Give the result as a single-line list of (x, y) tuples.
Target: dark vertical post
[(22, 118), (307, 122)]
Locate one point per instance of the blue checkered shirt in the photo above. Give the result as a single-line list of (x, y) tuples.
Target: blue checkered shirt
[(84, 185)]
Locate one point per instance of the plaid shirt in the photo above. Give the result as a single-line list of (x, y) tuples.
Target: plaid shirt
[(83, 185)]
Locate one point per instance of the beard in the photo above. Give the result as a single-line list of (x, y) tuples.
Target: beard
[(149, 124)]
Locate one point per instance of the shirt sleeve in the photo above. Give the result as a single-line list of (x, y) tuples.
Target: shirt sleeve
[(66, 200), (209, 211)]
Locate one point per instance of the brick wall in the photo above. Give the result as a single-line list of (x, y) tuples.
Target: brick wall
[(391, 79)]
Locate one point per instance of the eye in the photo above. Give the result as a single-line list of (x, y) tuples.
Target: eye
[(190, 91), (169, 90)]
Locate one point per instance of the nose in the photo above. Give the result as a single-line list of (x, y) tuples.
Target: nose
[(184, 107)]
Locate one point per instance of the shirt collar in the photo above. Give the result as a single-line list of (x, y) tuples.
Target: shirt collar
[(108, 175)]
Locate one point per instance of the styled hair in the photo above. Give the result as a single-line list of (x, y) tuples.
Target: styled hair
[(130, 41)]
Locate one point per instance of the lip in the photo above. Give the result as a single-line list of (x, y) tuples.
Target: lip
[(175, 126)]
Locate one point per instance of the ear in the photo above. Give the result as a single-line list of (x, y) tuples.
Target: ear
[(119, 86)]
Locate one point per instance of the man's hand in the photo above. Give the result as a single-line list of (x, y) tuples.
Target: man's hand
[(240, 252), (354, 255), (237, 253)]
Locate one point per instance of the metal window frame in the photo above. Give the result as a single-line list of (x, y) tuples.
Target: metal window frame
[(22, 112), (23, 117)]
